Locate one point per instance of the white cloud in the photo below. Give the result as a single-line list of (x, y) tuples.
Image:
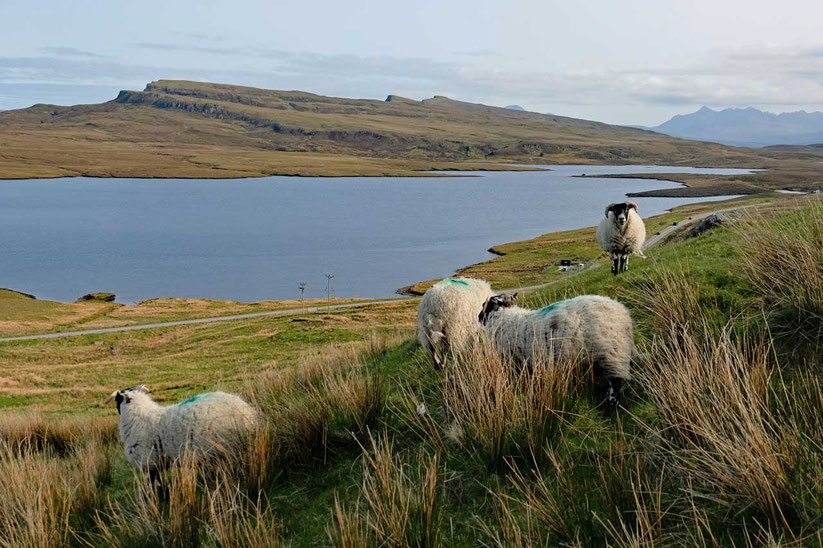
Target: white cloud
[(765, 76)]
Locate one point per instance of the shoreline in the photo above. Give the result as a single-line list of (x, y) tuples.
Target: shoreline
[(411, 173)]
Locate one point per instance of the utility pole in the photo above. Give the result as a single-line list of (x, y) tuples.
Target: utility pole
[(328, 293), (302, 286)]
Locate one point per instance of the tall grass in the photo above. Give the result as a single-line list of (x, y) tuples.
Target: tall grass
[(783, 261), (579, 499), (398, 506), (716, 425), (329, 396), (501, 410), (45, 496), (198, 504), (35, 498), (60, 435)]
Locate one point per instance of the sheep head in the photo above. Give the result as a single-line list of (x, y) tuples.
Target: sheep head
[(494, 303), (621, 211), (124, 396)]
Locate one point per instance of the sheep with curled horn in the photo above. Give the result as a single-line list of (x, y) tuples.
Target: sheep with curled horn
[(622, 233), (209, 425)]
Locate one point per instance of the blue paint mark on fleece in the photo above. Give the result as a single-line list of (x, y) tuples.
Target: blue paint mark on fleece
[(547, 309), (193, 399)]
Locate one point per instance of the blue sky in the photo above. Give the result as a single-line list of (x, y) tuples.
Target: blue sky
[(631, 62)]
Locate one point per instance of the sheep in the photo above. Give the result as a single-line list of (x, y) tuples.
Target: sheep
[(622, 233), (210, 424), (597, 329), (447, 315)]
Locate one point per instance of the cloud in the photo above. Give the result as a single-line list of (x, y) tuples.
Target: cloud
[(169, 47), (61, 51), (758, 75)]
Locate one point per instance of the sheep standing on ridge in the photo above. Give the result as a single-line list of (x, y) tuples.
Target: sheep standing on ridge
[(622, 233), (597, 329), (211, 424), (447, 315)]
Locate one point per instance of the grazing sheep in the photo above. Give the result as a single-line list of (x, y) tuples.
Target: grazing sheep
[(595, 328), (622, 233), (447, 315), (210, 424)]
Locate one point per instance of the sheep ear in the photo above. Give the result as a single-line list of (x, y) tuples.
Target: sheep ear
[(608, 208), (632, 205), (113, 395), (514, 297)]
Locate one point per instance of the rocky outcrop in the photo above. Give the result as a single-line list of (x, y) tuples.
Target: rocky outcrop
[(710, 222), (101, 297)]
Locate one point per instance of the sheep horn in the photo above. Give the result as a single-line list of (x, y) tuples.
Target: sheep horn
[(113, 395), (632, 204), (142, 388), (608, 208)]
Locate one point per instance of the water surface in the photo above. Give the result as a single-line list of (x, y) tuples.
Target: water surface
[(252, 239)]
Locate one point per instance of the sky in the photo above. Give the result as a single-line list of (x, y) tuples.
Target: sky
[(623, 62)]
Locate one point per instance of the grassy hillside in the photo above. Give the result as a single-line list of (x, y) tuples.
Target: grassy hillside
[(536, 261), (192, 129), (718, 441), (24, 315)]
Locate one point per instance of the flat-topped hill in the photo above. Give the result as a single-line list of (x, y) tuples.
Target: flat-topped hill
[(192, 129)]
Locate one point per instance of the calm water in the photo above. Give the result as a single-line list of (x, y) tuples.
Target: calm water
[(252, 239)]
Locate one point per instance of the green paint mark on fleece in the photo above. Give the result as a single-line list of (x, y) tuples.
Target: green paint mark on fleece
[(546, 309), (454, 281)]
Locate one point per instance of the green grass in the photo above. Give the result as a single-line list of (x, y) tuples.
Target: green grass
[(536, 261)]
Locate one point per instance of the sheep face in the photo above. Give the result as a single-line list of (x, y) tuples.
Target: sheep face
[(621, 211), (494, 303), (124, 397)]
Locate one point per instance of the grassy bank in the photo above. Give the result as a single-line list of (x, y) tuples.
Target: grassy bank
[(536, 261), (718, 441)]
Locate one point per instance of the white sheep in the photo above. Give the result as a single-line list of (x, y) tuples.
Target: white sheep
[(590, 327), (210, 424), (447, 315), (622, 233)]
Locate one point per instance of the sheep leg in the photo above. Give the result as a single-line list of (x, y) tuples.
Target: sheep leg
[(615, 384), (615, 261), (434, 349), (154, 477), (438, 361), (624, 262)]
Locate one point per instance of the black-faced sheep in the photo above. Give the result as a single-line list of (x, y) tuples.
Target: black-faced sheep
[(211, 424), (594, 328), (447, 315), (621, 233)]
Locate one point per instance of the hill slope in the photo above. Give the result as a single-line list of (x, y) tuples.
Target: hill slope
[(747, 127), (192, 129)]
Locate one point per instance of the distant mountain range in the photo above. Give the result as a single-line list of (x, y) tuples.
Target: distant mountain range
[(746, 127)]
